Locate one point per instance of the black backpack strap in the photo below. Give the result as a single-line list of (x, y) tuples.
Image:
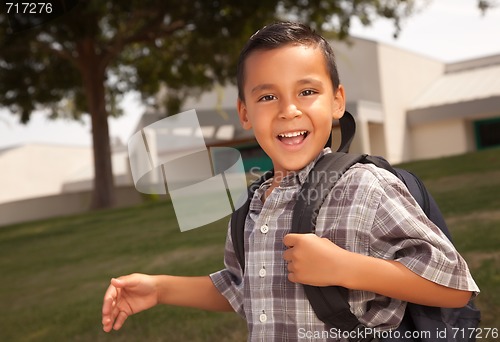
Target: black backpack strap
[(238, 220), (329, 303), (317, 186), (347, 129)]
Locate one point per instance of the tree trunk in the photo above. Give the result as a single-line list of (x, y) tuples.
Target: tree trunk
[(93, 74)]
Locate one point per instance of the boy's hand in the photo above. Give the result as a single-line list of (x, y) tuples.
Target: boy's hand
[(126, 296), (313, 260)]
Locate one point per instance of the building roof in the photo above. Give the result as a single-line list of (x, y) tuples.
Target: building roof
[(217, 127), (8, 148), (468, 89), (461, 86)]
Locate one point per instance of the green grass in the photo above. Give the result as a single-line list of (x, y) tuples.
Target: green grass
[(54, 272)]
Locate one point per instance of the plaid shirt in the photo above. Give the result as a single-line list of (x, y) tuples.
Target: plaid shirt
[(370, 212)]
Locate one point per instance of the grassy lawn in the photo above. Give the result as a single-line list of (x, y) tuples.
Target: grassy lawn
[(54, 272)]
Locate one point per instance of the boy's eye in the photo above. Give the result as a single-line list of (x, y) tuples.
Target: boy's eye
[(266, 98), (307, 92)]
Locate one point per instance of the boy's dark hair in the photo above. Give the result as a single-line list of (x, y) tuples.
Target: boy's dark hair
[(280, 34)]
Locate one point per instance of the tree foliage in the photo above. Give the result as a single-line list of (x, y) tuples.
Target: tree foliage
[(84, 60)]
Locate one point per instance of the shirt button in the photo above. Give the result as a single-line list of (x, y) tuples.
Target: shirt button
[(263, 317), (262, 272), (264, 229)]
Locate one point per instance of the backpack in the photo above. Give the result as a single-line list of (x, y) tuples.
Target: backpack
[(330, 303)]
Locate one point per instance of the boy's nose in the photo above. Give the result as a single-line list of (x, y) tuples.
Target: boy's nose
[(290, 111)]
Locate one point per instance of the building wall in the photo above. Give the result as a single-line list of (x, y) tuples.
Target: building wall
[(83, 179), (60, 205), (220, 98), (36, 170), (377, 139), (404, 76), (357, 64), (440, 139), (387, 77), (470, 136), (39, 170), (46, 180)]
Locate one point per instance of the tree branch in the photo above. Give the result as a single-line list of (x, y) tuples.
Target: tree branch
[(59, 52), (151, 31)]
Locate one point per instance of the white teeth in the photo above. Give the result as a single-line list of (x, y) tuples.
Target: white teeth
[(291, 134)]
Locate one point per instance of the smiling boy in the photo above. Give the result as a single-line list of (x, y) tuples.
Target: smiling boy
[(374, 241), (289, 100)]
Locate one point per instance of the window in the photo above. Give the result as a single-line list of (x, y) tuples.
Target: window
[(487, 133)]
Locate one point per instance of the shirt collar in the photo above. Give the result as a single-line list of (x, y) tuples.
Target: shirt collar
[(299, 177), (302, 174)]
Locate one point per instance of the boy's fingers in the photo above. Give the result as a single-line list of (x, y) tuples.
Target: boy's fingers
[(108, 316), (291, 239), (109, 298), (107, 324), (106, 320), (125, 281), (287, 255), (119, 282), (292, 277), (120, 319)]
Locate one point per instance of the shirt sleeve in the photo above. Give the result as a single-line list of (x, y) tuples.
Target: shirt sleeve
[(402, 232), (229, 281)]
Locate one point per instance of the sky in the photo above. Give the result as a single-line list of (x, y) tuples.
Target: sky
[(447, 30)]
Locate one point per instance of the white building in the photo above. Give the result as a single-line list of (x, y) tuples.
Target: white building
[(407, 106), (410, 106), (36, 170), (46, 180)]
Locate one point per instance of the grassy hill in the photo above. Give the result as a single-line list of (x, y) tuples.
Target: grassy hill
[(54, 272)]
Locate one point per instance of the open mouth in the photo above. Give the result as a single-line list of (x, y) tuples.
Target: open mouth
[(293, 138)]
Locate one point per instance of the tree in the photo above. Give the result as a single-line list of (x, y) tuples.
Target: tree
[(84, 60)]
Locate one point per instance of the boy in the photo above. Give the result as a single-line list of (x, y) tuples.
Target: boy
[(373, 240)]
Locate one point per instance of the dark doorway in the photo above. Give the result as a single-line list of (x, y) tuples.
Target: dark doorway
[(487, 133)]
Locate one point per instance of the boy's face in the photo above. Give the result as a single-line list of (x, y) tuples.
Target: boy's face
[(290, 104)]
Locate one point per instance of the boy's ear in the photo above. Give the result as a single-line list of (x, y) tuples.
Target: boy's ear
[(339, 103), (242, 113)]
